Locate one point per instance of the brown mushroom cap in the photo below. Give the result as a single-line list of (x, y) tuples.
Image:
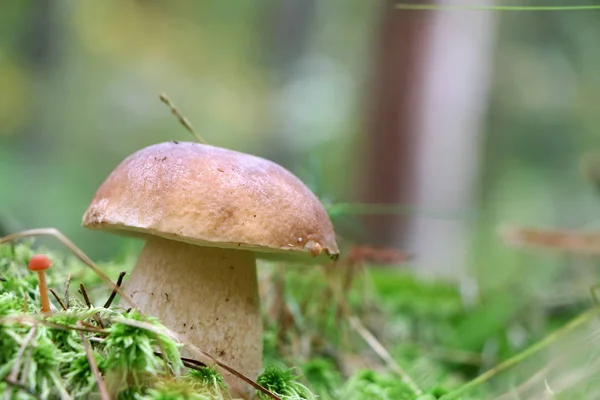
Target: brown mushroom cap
[(211, 196)]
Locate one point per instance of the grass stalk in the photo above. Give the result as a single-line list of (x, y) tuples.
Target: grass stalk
[(549, 339)]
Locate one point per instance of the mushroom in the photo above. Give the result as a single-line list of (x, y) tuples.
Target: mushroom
[(207, 213), (40, 263)]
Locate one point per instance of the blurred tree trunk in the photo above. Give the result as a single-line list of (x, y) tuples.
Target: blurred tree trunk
[(390, 123), (425, 127), (40, 50), (292, 20), (38, 45), (35, 46), (289, 33)]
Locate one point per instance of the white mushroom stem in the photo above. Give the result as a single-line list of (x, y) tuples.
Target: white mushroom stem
[(208, 295)]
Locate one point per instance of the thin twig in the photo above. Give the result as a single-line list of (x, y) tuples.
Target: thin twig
[(62, 305), (114, 292), (88, 351), (183, 120)]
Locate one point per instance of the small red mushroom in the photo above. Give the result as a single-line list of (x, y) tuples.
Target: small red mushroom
[(39, 263)]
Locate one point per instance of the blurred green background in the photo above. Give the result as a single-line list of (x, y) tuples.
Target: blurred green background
[(298, 82)]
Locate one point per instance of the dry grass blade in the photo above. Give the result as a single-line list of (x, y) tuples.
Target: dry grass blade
[(440, 7), (562, 368), (577, 242), (104, 395), (71, 246), (34, 320), (26, 365), (374, 255), (183, 120), (22, 388), (370, 339), (528, 352), (163, 355), (383, 353), (14, 373), (529, 383)]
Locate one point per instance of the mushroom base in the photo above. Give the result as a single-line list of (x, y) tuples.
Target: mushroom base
[(207, 295)]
